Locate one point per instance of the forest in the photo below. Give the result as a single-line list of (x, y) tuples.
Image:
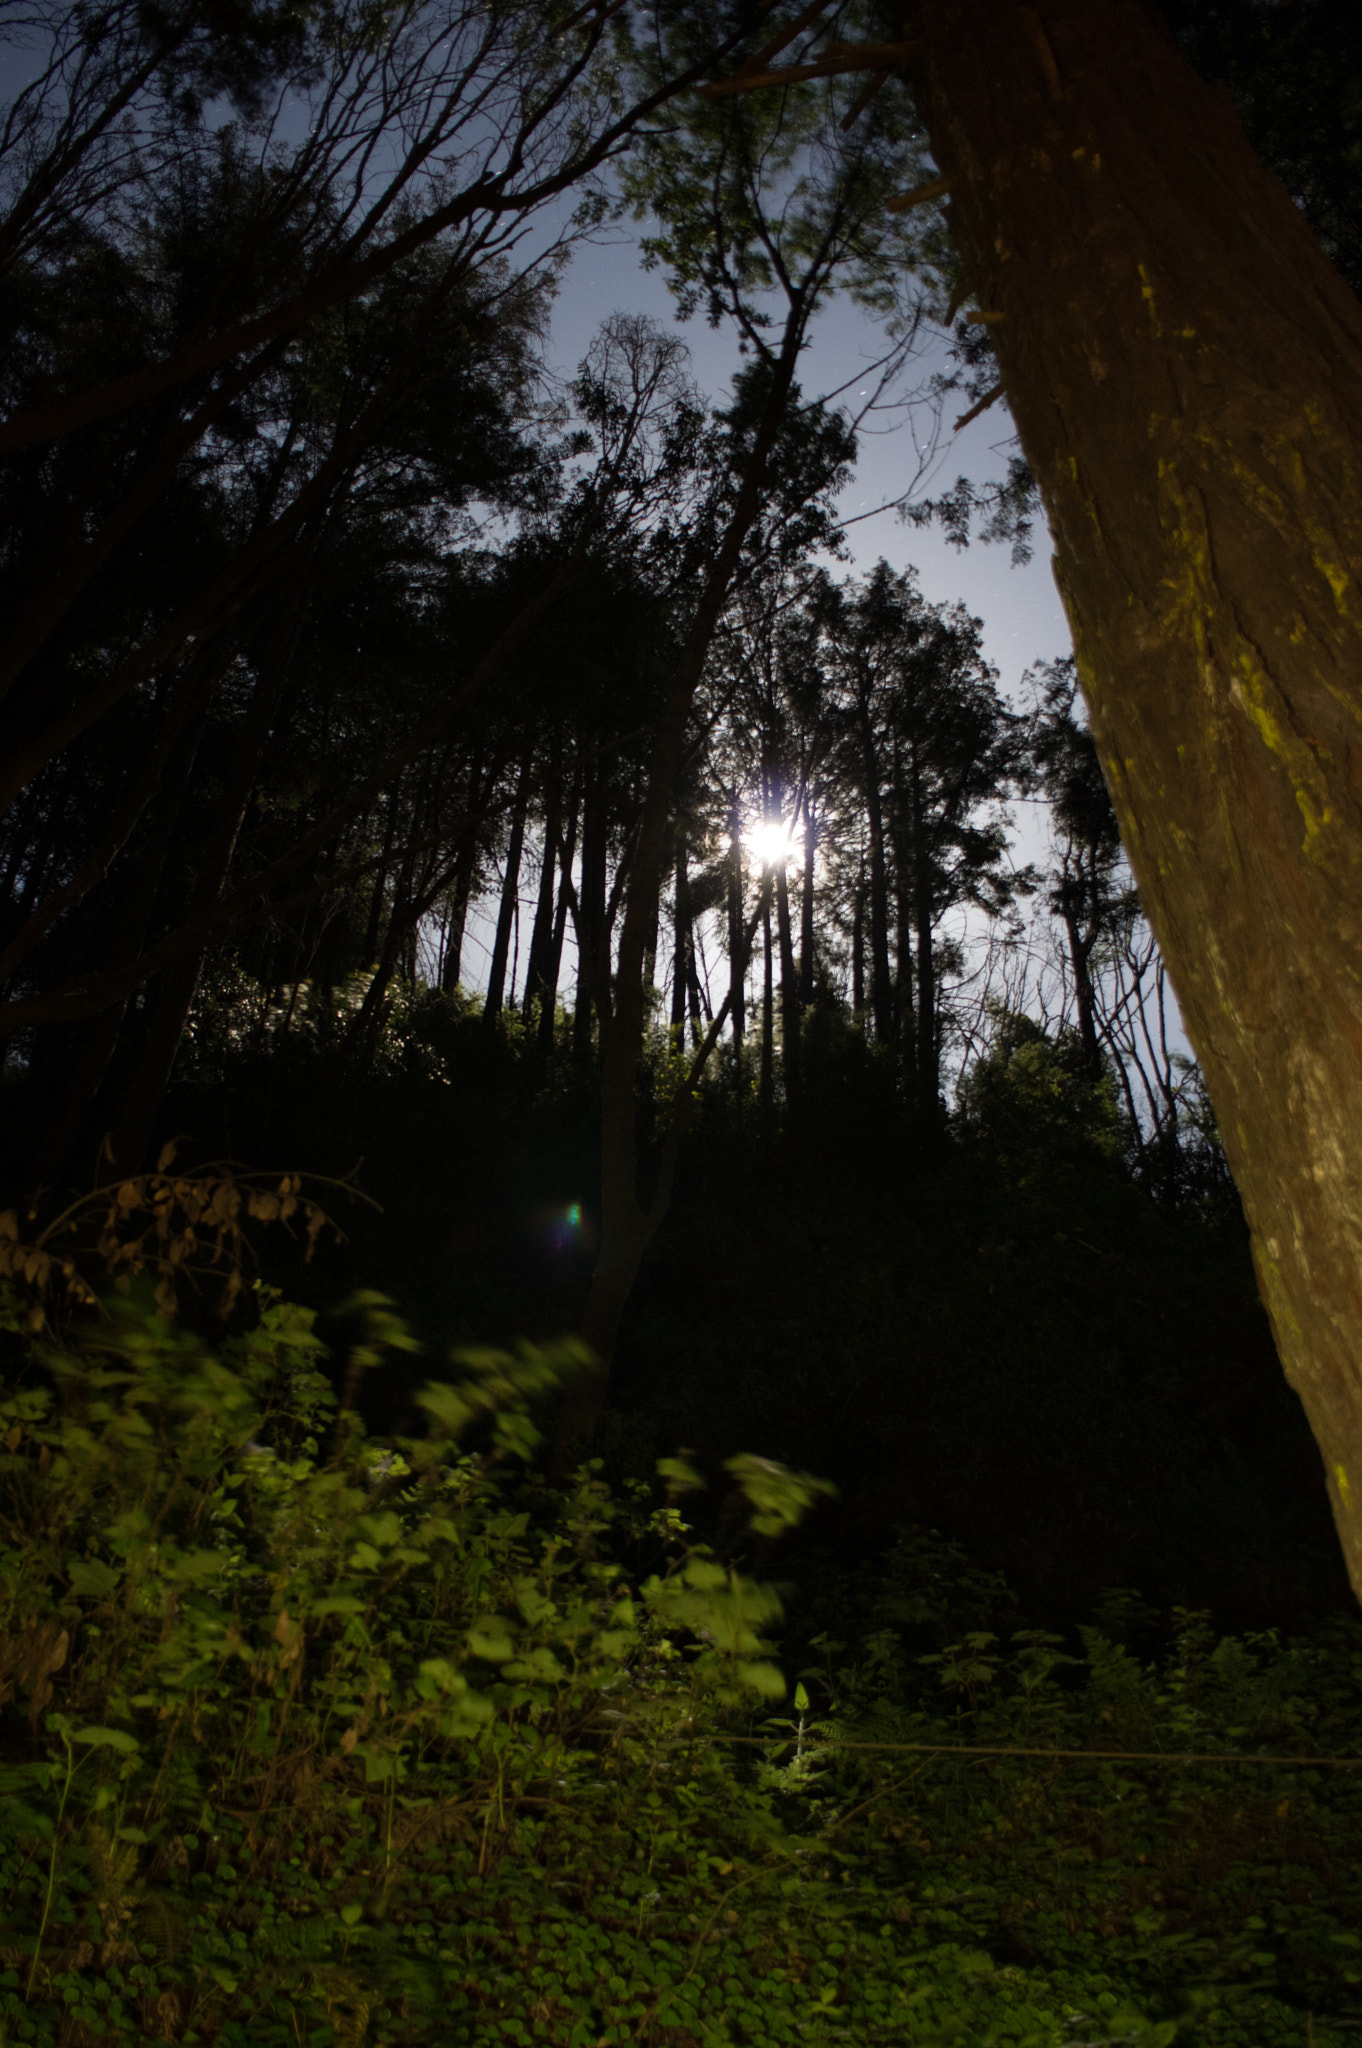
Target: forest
[(681, 1356)]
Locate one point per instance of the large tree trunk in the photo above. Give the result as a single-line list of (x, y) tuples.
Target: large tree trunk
[(1186, 372)]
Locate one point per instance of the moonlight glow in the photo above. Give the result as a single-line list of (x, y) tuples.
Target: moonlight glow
[(769, 844)]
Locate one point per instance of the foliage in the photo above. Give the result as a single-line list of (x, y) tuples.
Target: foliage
[(311, 1736), (1031, 1096), (193, 1229)]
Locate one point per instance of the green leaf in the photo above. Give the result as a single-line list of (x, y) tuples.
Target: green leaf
[(91, 1578), (106, 1738), (762, 1677), (490, 1639)]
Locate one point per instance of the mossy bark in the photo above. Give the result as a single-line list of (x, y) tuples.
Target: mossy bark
[(1185, 369)]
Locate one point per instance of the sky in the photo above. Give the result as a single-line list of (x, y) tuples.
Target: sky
[(1023, 618)]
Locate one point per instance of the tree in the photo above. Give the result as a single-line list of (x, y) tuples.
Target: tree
[(1085, 893), (216, 339), (930, 749), (1182, 363)]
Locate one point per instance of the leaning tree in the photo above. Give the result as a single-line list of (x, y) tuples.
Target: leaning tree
[(1185, 369)]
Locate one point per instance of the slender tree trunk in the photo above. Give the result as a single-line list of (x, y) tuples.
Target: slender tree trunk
[(737, 950), (650, 953), (927, 1028), (1186, 372), (789, 987), (806, 904), (699, 995), (905, 899), (458, 913), (881, 982), (1081, 945), (541, 937), (858, 946), (379, 893), (548, 1013), (464, 881), (510, 895), (766, 1088), (680, 939), (591, 917)]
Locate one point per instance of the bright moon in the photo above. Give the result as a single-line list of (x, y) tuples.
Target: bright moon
[(769, 844)]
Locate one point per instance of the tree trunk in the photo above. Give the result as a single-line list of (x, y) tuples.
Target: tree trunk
[(510, 896), (858, 946), (681, 940), (737, 949), (905, 902), (590, 919), (541, 936), (461, 892), (881, 984), (548, 1009), (767, 1083), (806, 905), (378, 895), (1184, 367), (1081, 944), (789, 987), (926, 1026)]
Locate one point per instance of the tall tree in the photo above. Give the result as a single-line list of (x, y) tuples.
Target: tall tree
[(931, 750), (1183, 365)]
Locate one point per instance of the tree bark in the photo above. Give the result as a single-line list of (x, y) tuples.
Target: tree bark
[(881, 983), (766, 1086), (926, 1026), (510, 895), (378, 895), (541, 937), (548, 1012), (590, 916), (737, 950), (789, 986), (858, 946), (806, 905), (681, 941), (1183, 365)]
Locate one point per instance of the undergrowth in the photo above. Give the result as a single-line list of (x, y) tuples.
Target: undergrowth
[(307, 1737)]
